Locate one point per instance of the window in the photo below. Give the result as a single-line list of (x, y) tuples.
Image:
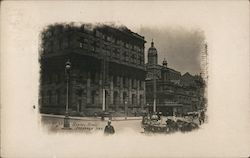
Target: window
[(60, 44), (133, 99), (49, 95), (116, 98), (93, 97), (124, 82), (134, 83), (98, 34), (141, 100), (141, 85), (51, 47), (68, 42), (94, 45), (81, 45), (92, 77), (80, 79), (49, 79), (58, 96), (124, 97), (108, 38), (115, 80)]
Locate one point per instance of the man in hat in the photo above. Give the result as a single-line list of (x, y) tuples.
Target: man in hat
[(109, 129)]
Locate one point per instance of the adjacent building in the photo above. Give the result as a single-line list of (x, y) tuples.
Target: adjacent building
[(107, 69), (172, 92)]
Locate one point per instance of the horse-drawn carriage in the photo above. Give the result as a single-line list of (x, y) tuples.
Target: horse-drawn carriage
[(156, 124)]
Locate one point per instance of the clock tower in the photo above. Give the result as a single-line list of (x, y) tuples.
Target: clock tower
[(153, 71), (152, 55)]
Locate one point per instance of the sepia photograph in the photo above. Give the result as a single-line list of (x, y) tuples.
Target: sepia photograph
[(125, 79), (93, 74)]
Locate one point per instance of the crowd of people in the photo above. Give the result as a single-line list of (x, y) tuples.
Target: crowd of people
[(154, 123)]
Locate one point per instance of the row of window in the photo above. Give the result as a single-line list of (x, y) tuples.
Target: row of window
[(88, 32), (118, 41), (171, 76), (59, 97), (115, 53), (65, 42), (116, 98), (50, 98), (94, 78), (170, 88)]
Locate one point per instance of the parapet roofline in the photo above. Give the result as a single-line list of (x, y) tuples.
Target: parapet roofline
[(89, 26), (122, 29)]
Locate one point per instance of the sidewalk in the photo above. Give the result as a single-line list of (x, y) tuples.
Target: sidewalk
[(93, 118)]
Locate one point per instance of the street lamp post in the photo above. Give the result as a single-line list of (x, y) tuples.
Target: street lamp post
[(66, 124)]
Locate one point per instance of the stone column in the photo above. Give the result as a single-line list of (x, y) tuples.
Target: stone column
[(121, 98), (88, 88), (111, 91), (100, 91), (138, 92), (117, 81), (129, 91), (121, 82), (144, 94)]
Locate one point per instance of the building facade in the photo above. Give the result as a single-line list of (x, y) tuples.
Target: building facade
[(173, 93), (107, 69)]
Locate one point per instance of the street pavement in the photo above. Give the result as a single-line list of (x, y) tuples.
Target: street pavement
[(54, 123)]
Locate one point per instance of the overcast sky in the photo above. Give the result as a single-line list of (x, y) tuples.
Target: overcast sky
[(180, 46)]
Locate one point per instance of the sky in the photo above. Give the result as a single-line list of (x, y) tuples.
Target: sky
[(179, 45)]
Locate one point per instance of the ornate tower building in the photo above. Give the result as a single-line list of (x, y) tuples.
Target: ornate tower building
[(152, 55)]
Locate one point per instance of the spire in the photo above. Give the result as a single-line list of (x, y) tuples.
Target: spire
[(152, 43)]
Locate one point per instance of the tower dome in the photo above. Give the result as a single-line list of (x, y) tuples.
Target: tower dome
[(152, 54)]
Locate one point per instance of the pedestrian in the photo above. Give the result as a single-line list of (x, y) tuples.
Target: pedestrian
[(109, 129)]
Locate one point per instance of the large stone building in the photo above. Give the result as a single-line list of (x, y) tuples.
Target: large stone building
[(104, 59), (173, 93)]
